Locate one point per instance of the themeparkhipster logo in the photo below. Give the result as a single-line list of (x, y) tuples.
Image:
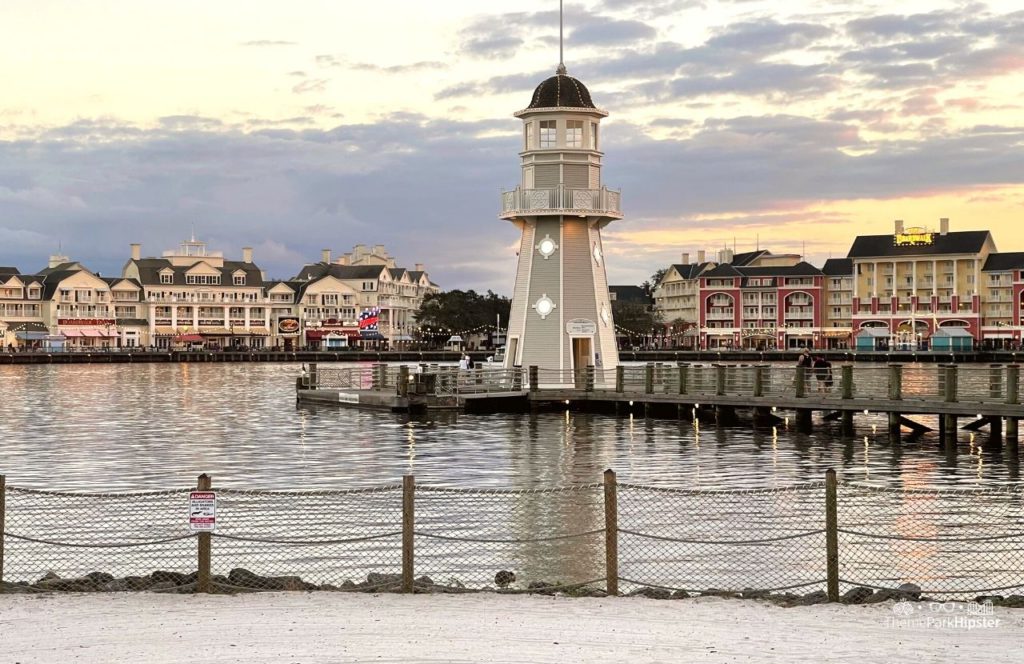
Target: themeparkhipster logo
[(943, 615)]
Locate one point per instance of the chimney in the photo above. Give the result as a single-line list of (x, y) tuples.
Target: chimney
[(136, 251), (944, 226), (419, 267), (359, 251), (725, 256), (325, 255), (57, 259), (345, 259), (899, 226), (378, 250), (686, 258), (246, 254), (700, 255)]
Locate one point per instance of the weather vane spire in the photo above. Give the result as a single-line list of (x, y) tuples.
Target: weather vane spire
[(561, 41)]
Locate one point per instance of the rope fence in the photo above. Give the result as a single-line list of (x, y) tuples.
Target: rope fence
[(819, 541)]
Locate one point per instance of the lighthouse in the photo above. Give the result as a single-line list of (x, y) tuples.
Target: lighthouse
[(561, 318)]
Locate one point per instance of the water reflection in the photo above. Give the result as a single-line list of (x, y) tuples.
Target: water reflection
[(116, 427)]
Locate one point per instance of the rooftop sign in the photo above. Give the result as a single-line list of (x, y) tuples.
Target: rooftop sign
[(915, 236)]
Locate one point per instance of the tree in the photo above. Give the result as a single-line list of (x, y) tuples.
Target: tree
[(463, 310)]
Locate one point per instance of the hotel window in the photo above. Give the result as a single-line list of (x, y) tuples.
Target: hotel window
[(239, 280), (528, 135), (34, 293), (593, 135), (547, 134), (574, 134), (167, 278)]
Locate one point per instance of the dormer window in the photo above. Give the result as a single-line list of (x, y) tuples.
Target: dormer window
[(166, 277), (35, 293), (547, 134), (574, 134), (239, 280)]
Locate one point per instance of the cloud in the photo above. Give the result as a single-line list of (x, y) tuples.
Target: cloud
[(268, 42), (427, 188), (327, 60), (310, 85)]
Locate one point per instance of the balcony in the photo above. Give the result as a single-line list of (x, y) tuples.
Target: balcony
[(561, 200), (720, 315)]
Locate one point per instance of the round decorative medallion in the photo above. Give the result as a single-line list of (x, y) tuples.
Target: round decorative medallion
[(544, 306), (546, 247)]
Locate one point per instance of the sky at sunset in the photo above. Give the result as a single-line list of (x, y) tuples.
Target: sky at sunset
[(292, 127)]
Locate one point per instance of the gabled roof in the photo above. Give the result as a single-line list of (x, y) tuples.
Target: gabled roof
[(317, 270), (724, 270), (1004, 262), (741, 260), (801, 269), (150, 269), (51, 280), (71, 266), (838, 267), (8, 271), (113, 281), (959, 242), (690, 270)]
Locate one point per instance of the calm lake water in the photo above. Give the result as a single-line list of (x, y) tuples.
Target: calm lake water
[(131, 427)]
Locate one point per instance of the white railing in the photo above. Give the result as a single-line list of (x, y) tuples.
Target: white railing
[(598, 201)]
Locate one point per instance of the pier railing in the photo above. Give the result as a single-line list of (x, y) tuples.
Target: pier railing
[(435, 380), (930, 383), (805, 543)]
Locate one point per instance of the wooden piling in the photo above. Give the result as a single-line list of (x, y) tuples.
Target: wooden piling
[(949, 423), (800, 382), (649, 379), (620, 379), (684, 370), (1013, 384), (831, 536), (408, 525), (803, 420), (1011, 432), (950, 384), (846, 381), (403, 381), (204, 483), (720, 380), (611, 533), (894, 424), (895, 382), (846, 425)]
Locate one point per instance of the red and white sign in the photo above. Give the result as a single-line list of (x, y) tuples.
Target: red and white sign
[(202, 511)]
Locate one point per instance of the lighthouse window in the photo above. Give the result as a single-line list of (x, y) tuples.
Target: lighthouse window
[(547, 133), (574, 134), (529, 135), (593, 135)]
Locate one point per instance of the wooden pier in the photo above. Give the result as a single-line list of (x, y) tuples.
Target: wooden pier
[(979, 396)]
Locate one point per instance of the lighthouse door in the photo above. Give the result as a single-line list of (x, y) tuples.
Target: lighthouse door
[(582, 357)]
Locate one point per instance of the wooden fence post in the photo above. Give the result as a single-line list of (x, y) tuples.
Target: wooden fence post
[(831, 536), (895, 382), (408, 524), (684, 369), (204, 483), (759, 380), (620, 379), (611, 533), (649, 379), (846, 381), (403, 381), (3, 513), (1013, 384), (720, 379), (950, 383), (800, 382)]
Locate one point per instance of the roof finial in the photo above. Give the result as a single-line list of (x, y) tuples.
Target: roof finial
[(561, 57)]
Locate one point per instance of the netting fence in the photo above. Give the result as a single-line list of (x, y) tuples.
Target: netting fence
[(582, 539)]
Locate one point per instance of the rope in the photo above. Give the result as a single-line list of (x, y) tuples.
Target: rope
[(348, 540), (506, 541), (737, 592), (508, 492), (738, 542), (935, 592), (721, 492), (73, 494), (988, 538), (97, 546)]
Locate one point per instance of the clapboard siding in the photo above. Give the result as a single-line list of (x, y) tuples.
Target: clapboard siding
[(541, 335), (606, 344)]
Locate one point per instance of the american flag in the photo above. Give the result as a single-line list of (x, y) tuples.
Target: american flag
[(368, 320)]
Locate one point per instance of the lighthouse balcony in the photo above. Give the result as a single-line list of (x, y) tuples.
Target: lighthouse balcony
[(601, 202)]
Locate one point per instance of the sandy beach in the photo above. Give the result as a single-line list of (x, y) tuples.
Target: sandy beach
[(326, 627)]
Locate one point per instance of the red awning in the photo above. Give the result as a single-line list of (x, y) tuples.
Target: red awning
[(315, 335), (189, 339)]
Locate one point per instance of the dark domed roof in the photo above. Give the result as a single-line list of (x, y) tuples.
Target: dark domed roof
[(561, 91)]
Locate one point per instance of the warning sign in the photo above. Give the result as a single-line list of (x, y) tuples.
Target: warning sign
[(202, 510)]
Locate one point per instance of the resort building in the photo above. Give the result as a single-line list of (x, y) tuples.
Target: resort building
[(21, 310), (1002, 300), (838, 326), (676, 297), (909, 285), (363, 284), (196, 296)]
